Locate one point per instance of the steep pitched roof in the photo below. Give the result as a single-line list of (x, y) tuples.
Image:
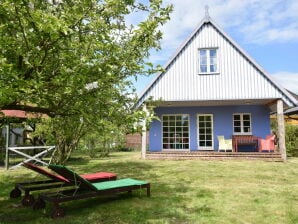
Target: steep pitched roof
[(167, 84), (292, 111)]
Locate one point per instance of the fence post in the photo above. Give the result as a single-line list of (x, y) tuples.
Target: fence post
[(6, 148)]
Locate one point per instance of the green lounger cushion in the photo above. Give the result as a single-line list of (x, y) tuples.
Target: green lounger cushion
[(118, 183)]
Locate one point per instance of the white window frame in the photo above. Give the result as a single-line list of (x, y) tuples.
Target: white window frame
[(174, 138), (242, 124), (212, 132), (208, 60)]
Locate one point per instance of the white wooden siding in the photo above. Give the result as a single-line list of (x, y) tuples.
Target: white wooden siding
[(238, 78)]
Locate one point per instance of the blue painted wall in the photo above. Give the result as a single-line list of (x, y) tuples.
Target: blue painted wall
[(222, 122)]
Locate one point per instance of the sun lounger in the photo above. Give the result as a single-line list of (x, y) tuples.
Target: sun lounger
[(85, 189), (54, 181)]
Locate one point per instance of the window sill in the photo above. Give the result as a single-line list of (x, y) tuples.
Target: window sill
[(208, 73), (248, 133)]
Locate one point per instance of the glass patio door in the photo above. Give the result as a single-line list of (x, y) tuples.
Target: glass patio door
[(205, 131)]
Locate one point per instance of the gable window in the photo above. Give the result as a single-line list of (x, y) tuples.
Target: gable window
[(242, 124), (208, 61), (175, 131)]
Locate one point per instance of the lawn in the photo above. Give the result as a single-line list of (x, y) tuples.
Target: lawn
[(181, 192)]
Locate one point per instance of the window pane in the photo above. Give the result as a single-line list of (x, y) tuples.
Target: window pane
[(209, 143), (208, 131), (213, 53), (246, 123), (203, 61), (237, 129), (203, 68), (246, 129), (178, 129), (203, 53), (213, 68), (165, 146), (246, 117), (213, 61), (202, 137), (236, 123), (185, 140), (184, 118), (202, 124), (185, 123), (237, 117), (185, 134)]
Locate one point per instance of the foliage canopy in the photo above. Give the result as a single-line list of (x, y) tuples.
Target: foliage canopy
[(62, 57), (73, 59)]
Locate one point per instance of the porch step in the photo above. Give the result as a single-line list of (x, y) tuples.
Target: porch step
[(275, 157)]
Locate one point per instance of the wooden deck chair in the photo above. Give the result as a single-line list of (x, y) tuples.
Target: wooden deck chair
[(85, 189), (224, 144), (54, 181)]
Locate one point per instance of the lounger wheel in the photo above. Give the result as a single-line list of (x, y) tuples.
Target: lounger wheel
[(57, 213), (15, 193), (28, 200), (39, 204)]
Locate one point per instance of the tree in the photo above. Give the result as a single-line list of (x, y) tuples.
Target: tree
[(72, 59)]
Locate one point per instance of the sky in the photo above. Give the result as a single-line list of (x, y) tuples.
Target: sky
[(267, 30)]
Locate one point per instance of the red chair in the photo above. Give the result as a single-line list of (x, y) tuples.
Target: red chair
[(267, 145)]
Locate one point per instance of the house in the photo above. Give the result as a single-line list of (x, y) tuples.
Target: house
[(291, 114), (212, 87)]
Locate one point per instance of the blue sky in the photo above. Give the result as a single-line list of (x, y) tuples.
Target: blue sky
[(266, 29)]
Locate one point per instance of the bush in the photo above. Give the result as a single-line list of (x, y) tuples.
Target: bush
[(292, 140)]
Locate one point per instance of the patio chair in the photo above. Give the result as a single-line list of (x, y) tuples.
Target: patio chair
[(267, 145), (85, 189), (224, 144), (54, 181)]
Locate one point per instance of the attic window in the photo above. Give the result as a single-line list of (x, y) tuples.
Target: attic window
[(208, 61)]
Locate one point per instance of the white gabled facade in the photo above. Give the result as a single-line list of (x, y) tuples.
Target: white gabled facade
[(239, 77)]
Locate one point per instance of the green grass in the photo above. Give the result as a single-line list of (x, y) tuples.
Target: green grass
[(182, 192)]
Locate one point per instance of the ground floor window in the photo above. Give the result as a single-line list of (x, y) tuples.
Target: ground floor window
[(242, 124), (175, 131)]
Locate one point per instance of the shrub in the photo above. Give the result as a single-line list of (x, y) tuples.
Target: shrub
[(292, 140)]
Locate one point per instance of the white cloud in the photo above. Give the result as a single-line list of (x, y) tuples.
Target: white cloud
[(257, 21), (288, 80)]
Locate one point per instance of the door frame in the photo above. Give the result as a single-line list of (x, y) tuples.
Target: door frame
[(209, 148)]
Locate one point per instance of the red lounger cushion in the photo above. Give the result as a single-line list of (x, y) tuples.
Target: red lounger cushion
[(92, 177), (97, 176)]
